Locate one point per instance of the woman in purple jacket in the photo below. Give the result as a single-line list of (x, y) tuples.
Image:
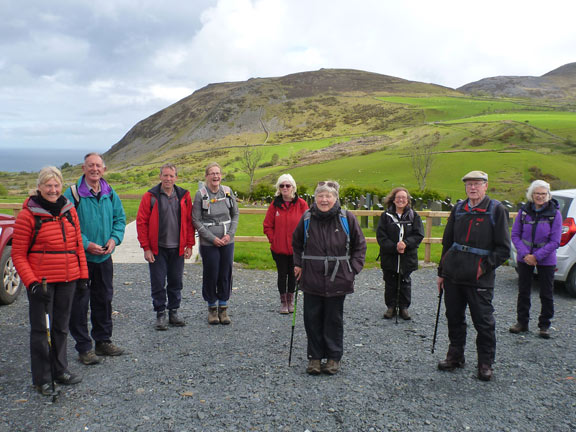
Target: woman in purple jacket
[(536, 235)]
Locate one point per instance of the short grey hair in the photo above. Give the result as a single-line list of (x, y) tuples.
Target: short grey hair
[(538, 184), (95, 154), (170, 166), (330, 186)]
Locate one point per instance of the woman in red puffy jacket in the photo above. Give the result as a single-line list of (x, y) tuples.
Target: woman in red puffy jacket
[(281, 218), (47, 244)]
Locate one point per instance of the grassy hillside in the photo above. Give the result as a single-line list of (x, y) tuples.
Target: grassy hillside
[(355, 134)]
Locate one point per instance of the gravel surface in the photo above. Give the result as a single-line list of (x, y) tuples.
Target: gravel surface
[(236, 378)]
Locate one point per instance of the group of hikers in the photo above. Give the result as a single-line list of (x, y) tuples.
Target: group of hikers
[(63, 244)]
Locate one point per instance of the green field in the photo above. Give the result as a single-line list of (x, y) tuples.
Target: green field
[(451, 108), (512, 140)]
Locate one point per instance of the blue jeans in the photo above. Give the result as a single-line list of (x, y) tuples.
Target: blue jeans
[(166, 279), (217, 273)]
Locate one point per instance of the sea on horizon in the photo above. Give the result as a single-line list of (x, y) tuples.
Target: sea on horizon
[(33, 159)]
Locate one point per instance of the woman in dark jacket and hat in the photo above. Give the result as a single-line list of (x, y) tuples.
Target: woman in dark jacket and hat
[(536, 235), (329, 251), (399, 234)]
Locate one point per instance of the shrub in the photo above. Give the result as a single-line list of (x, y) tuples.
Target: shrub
[(263, 190), (426, 194)]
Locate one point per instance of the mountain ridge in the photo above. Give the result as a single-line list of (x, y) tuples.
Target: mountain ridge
[(304, 106)]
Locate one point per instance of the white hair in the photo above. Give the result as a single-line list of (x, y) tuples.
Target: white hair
[(537, 184), (285, 178)]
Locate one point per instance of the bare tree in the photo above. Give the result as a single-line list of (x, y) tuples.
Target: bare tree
[(249, 162), (422, 154)]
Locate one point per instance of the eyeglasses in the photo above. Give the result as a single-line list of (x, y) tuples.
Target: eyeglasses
[(330, 184), (215, 174), (287, 186), (540, 193), (474, 184)]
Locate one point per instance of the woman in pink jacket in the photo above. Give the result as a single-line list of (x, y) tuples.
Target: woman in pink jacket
[(281, 218)]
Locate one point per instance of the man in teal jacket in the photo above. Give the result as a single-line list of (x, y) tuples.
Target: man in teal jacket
[(102, 222)]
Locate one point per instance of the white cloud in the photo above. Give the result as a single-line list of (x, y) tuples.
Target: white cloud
[(69, 64)]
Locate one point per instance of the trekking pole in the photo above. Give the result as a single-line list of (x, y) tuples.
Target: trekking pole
[(400, 238), (49, 338), (399, 276), (437, 317), (293, 323)]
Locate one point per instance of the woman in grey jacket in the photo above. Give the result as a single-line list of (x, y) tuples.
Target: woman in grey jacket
[(329, 251), (215, 217)]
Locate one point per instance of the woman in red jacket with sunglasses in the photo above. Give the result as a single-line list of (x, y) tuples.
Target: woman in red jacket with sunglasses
[(281, 218)]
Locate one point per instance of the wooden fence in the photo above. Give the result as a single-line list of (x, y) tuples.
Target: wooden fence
[(426, 215)]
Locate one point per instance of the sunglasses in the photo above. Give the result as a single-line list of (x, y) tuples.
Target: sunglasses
[(330, 184), (287, 186)]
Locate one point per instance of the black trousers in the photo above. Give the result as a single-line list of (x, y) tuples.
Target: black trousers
[(546, 283), (391, 289), (286, 278), (324, 324), (166, 279), (59, 309), (97, 298), (479, 300)]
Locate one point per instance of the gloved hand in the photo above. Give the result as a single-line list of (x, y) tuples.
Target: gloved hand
[(38, 293), (81, 285)]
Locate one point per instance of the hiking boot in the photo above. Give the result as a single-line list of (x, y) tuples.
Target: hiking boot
[(108, 349), (314, 367), (485, 372), (290, 300), (405, 315), (174, 319), (518, 328), (44, 389), (451, 362), (68, 378), (161, 321), (213, 315), (331, 367), (223, 315), (89, 358), (390, 313), (544, 333), (284, 304)]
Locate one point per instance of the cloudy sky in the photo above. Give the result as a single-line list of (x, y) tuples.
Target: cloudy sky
[(78, 74)]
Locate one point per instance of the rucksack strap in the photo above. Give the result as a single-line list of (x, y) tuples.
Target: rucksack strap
[(470, 249), (75, 195), (346, 227), (39, 221)]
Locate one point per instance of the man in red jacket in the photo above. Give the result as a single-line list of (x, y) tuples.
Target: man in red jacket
[(166, 233)]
